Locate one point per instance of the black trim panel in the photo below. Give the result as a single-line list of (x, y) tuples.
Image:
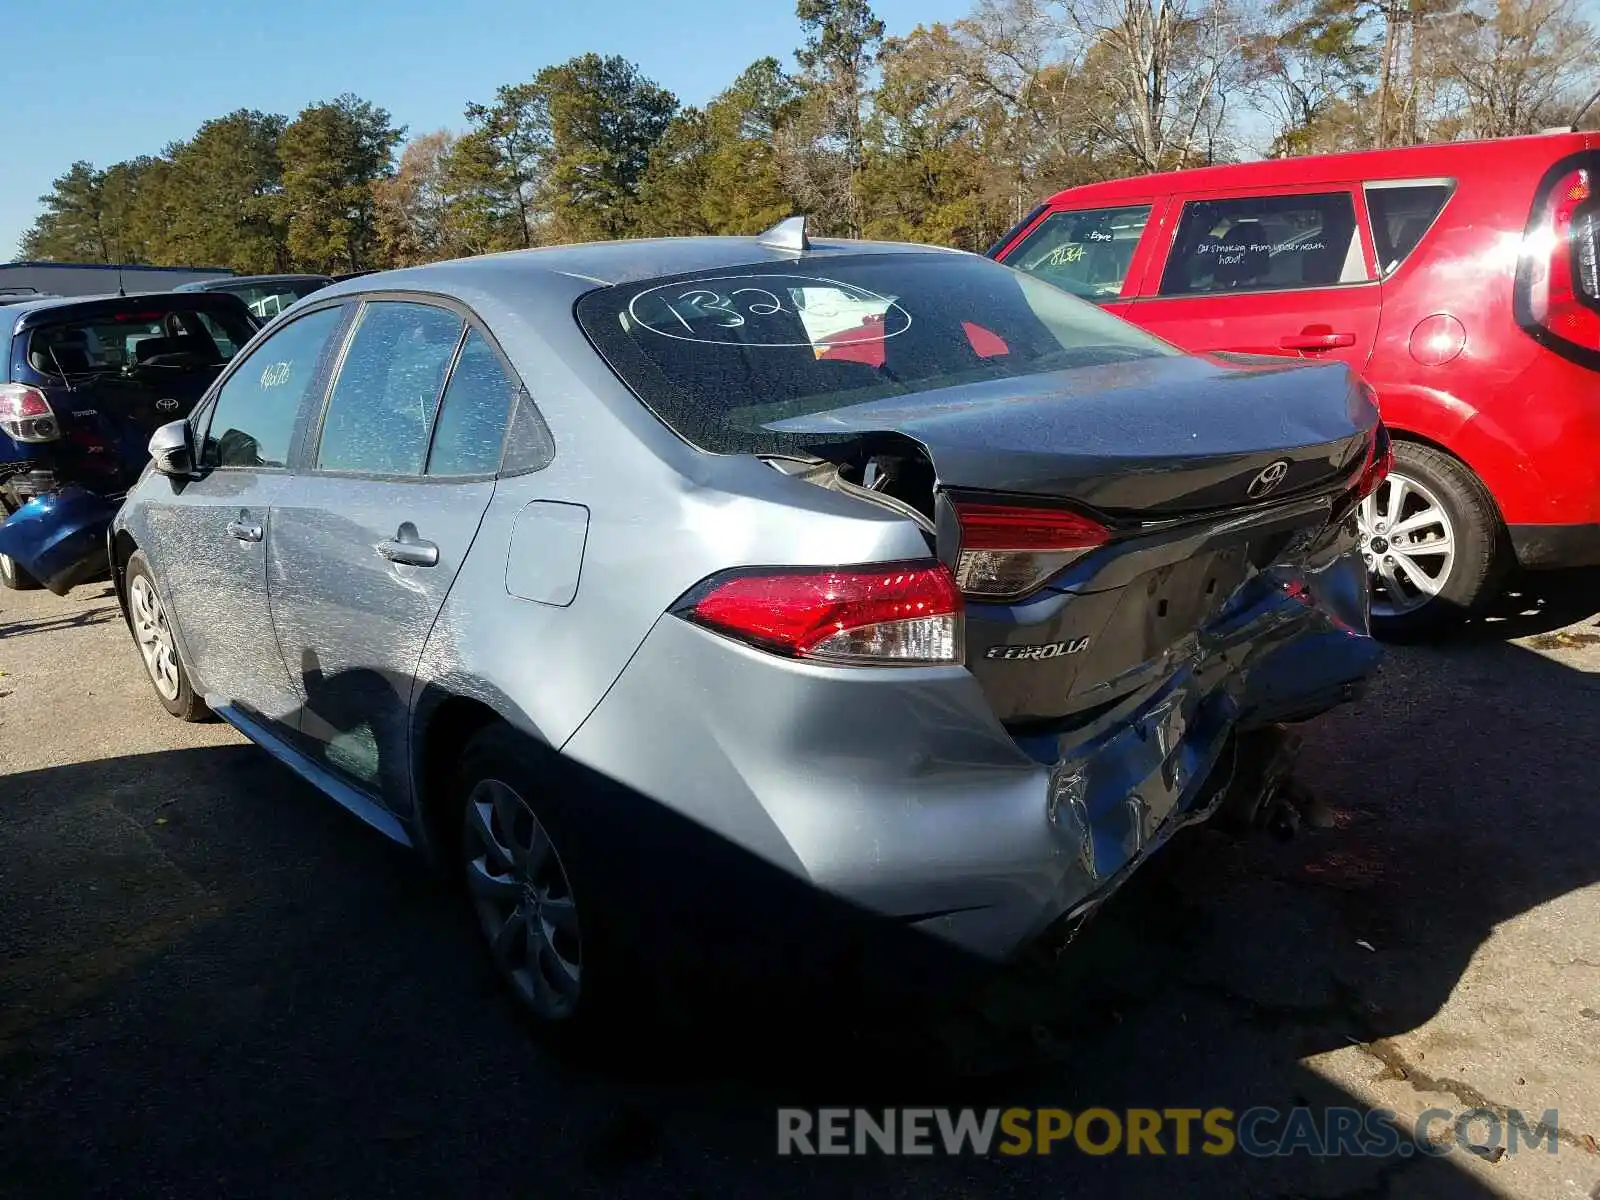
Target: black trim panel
[(1541, 546)]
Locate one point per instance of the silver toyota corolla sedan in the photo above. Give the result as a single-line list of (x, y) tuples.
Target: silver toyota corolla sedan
[(682, 584)]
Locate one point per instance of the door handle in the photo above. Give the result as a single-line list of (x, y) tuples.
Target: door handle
[(408, 547), (244, 531), (1317, 337)]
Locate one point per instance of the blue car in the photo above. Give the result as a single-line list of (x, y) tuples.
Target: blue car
[(83, 384)]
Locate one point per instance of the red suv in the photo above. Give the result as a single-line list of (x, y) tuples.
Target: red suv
[(1461, 280)]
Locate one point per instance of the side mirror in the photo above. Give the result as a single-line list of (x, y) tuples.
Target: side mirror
[(172, 451)]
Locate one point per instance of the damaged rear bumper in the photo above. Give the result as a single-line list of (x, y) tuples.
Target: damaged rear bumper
[(59, 537), (894, 795)]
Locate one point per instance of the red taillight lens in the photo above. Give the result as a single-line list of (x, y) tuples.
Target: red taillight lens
[(897, 613), (1009, 550), (1380, 461), (25, 414), (1559, 278)]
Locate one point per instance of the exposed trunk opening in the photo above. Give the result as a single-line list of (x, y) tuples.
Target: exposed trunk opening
[(886, 468)]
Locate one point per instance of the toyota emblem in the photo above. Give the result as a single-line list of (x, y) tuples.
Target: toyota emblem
[(1269, 479), (167, 404)]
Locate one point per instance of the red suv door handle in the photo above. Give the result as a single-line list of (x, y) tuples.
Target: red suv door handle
[(1317, 337)]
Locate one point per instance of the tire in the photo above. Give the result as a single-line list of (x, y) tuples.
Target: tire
[(152, 633), (562, 962), (11, 575), (14, 577), (1441, 504)]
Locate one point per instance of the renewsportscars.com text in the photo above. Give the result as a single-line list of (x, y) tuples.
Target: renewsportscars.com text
[(1261, 1132)]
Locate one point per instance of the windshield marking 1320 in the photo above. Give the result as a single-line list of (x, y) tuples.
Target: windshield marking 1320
[(828, 312)]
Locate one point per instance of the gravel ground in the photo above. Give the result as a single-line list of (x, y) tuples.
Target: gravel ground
[(214, 981)]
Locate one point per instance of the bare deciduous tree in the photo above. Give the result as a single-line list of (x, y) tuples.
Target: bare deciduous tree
[(1166, 68), (1511, 66)]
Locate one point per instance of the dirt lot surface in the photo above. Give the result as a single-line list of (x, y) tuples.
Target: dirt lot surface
[(215, 982)]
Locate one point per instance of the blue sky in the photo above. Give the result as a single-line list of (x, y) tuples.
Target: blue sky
[(135, 77)]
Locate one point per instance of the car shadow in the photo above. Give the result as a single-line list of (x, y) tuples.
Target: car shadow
[(1534, 603), (92, 616), (216, 979)]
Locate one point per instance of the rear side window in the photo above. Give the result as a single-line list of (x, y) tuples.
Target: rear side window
[(1401, 213), (1086, 253), (381, 409), (1265, 243), (253, 419), (472, 417), (529, 444)]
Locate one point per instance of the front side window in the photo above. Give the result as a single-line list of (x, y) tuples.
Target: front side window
[(720, 356), (381, 409), (253, 420), (1401, 214), (1085, 253), (1265, 243)]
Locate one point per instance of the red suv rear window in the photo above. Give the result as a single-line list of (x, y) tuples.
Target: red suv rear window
[(1401, 213)]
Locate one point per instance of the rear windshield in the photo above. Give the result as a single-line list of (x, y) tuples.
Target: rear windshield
[(144, 335), (720, 355)]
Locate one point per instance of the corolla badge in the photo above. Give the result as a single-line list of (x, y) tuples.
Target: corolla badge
[(1037, 652), (167, 404), (1268, 480)]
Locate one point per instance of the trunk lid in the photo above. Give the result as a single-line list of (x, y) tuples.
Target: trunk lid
[(1152, 438), (1206, 473)]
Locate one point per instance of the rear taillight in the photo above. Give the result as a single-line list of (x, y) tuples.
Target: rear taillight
[(1009, 550), (1558, 277), (1380, 461), (25, 414), (893, 614)]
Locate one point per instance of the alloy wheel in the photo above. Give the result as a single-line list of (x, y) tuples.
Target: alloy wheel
[(1409, 543), (154, 636), (524, 899)]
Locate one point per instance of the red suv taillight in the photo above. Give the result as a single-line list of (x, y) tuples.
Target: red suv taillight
[(890, 614), (1558, 276), (25, 414), (1008, 550)]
